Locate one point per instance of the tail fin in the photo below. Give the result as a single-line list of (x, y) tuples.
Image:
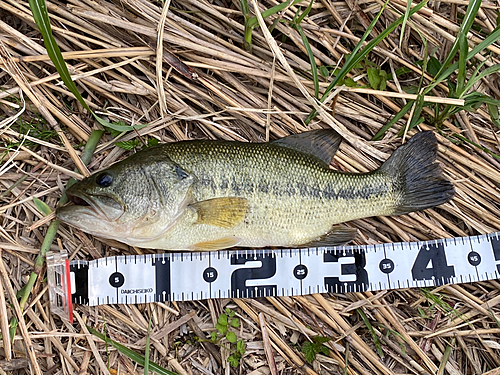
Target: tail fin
[(417, 176)]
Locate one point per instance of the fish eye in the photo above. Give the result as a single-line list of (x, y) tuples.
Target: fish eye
[(181, 175), (104, 180)]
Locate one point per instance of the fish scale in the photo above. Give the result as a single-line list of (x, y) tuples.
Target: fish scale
[(303, 197)]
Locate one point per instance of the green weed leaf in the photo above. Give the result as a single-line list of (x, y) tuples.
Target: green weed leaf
[(233, 360), (222, 328), (377, 78), (235, 323), (324, 71), (128, 145), (231, 337), (309, 350), (240, 347), (42, 206), (213, 336), (222, 319), (433, 66), (320, 339), (152, 142)]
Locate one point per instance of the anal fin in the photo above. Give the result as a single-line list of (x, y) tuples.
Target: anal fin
[(339, 235), (221, 243)]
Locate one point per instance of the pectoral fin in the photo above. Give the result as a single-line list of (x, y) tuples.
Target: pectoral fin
[(339, 235), (222, 212), (219, 244)]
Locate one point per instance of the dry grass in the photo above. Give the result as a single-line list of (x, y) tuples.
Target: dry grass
[(218, 90)]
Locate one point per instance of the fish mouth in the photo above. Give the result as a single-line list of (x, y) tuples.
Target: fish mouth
[(108, 208)]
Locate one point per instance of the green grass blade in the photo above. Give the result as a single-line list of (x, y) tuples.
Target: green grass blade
[(375, 338), (305, 13), (489, 40), (253, 22), (395, 119), (146, 353), (314, 68), (462, 62), (357, 55), (248, 31), (416, 119), (405, 20), (462, 138), (467, 22), (41, 17), (475, 78), (493, 111), (136, 357)]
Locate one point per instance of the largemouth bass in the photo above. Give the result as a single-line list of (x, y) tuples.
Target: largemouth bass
[(210, 195)]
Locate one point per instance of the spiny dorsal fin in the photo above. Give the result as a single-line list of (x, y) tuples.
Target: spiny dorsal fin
[(322, 143), (221, 243), (224, 212), (339, 235)]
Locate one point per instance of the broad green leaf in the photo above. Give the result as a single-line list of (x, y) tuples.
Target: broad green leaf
[(231, 337), (373, 78), (222, 319), (222, 328), (42, 206), (235, 323), (433, 66)]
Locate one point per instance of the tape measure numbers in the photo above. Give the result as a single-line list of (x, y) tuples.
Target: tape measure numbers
[(282, 272)]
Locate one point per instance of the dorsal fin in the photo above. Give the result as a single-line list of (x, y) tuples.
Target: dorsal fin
[(322, 143)]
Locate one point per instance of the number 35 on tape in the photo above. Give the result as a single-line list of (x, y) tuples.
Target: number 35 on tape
[(259, 273)]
